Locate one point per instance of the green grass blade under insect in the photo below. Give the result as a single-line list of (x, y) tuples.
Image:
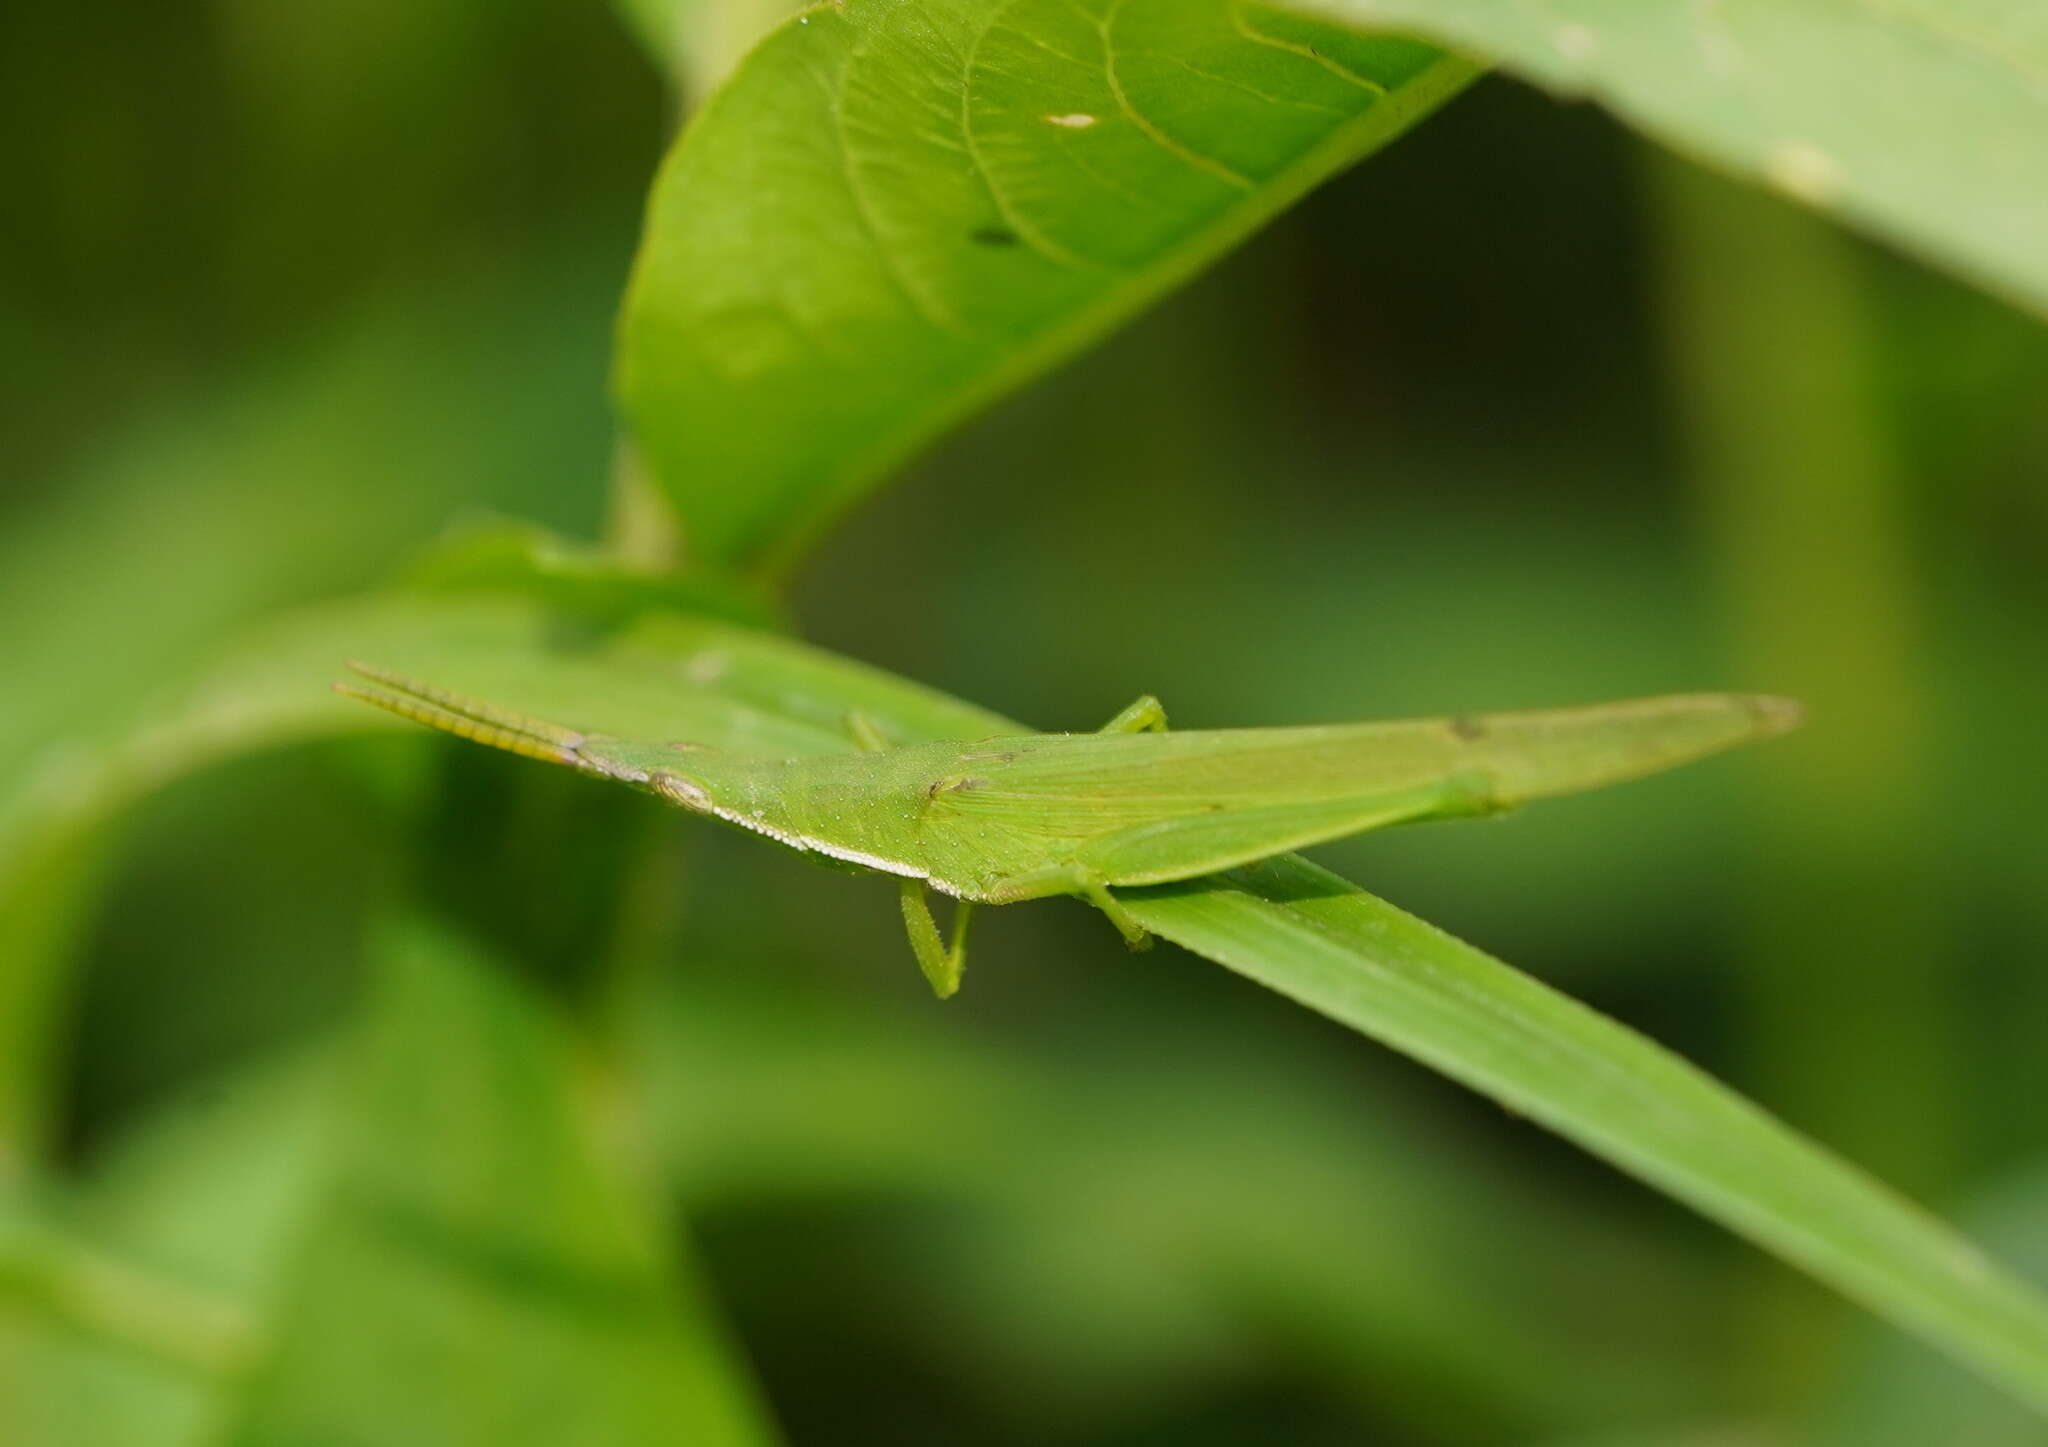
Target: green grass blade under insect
[(1328, 944)]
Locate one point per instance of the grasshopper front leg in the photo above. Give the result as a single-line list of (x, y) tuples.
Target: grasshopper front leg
[(943, 964), (1142, 713)]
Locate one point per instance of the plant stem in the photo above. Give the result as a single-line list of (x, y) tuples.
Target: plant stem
[(1843, 944), (45, 885), (641, 527)]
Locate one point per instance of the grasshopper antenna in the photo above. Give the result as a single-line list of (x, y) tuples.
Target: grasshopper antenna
[(466, 718)]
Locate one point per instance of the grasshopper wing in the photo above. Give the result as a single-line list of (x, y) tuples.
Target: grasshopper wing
[(1170, 849)]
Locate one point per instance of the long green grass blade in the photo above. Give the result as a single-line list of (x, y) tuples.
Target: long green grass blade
[(1895, 1396), (1323, 941)]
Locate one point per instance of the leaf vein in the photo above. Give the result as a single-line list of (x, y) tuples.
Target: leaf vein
[(1027, 231), (927, 308), (1152, 132), (1306, 52), (1286, 102)]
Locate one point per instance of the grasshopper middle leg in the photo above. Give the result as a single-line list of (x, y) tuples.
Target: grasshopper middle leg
[(1074, 879)]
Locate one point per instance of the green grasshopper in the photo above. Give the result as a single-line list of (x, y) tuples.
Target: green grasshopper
[(1001, 820)]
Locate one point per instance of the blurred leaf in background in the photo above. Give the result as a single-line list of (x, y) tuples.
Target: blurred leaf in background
[(482, 1270)]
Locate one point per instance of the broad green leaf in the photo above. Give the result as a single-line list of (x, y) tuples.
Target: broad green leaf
[(894, 212), (482, 1271), (1925, 121)]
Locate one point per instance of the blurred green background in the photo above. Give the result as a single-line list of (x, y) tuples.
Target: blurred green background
[(288, 289)]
